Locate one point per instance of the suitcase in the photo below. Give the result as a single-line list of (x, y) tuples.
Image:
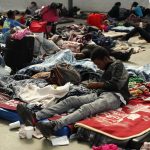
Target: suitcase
[(19, 53)]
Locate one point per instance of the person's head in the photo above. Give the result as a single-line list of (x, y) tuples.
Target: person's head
[(33, 4), (23, 13), (100, 57), (147, 12), (11, 14), (135, 4), (118, 4)]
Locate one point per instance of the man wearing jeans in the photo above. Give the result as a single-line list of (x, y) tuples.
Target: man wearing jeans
[(112, 91)]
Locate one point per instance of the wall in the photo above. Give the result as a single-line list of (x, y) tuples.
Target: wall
[(105, 5), (12, 4)]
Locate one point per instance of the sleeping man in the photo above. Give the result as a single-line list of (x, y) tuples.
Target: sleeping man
[(108, 94)]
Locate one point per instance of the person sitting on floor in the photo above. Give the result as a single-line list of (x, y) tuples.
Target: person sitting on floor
[(144, 33), (115, 11), (108, 94), (10, 22), (32, 8), (136, 9)]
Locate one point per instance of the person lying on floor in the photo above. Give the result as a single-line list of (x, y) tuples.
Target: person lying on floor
[(108, 94), (81, 52), (88, 49), (144, 33)]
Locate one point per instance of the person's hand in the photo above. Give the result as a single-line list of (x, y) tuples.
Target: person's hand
[(95, 85)]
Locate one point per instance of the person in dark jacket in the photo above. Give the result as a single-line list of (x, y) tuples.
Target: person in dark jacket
[(88, 49), (108, 94), (115, 11), (144, 33)]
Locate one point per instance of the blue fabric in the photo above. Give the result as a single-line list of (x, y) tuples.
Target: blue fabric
[(64, 56), (10, 23), (9, 115), (138, 11)]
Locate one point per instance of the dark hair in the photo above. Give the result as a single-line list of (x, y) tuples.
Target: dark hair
[(99, 53), (118, 4), (34, 3), (10, 14), (17, 12), (135, 4), (56, 5)]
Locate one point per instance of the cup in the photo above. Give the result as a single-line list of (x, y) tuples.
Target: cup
[(14, 125), (141, 25), (29, 132)]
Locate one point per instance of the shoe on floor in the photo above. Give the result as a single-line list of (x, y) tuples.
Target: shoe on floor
[(26, 115), (46, 128), (128, 54)]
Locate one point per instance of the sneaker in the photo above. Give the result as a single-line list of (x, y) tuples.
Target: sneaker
[(46, 128), (128, 54), (27, 116)]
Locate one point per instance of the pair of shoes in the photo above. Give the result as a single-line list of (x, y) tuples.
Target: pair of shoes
[(128, 54), (27, 116), (46, 128)]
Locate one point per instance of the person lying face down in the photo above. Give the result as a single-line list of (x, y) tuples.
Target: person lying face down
[(108, 94)]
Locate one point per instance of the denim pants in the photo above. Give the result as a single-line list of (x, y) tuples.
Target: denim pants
[(86, 106), (44, 46)]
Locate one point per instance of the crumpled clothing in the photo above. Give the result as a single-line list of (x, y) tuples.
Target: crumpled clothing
[(66, 31), (74, 46), (11, 85), (106, 147), (122, 29), (146, 146), (65, 56), (101, 40), (84, 39), (46, 96), (123, 46), (20, 34)]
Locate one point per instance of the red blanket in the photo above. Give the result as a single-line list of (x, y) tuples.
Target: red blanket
[(7, 102), (130, 121)]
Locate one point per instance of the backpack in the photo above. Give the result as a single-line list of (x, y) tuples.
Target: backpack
[(63, 73), (19, 53)]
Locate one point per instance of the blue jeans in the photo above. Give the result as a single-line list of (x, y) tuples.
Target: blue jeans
[(42, 45), (86, 106)]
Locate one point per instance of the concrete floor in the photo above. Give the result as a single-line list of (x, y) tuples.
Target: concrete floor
[(9, 140)]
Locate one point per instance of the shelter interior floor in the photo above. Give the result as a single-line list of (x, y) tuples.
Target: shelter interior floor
[(9, 140)]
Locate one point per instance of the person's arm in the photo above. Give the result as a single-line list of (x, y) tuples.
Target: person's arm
[(113, 83), (16, 23)]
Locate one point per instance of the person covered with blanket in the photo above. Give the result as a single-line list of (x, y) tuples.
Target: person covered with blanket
[(107, 94)]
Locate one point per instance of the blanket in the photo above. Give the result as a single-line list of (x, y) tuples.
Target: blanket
[(124, 123)]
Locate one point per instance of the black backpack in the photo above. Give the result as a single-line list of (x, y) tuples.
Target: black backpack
[(19, 53)]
